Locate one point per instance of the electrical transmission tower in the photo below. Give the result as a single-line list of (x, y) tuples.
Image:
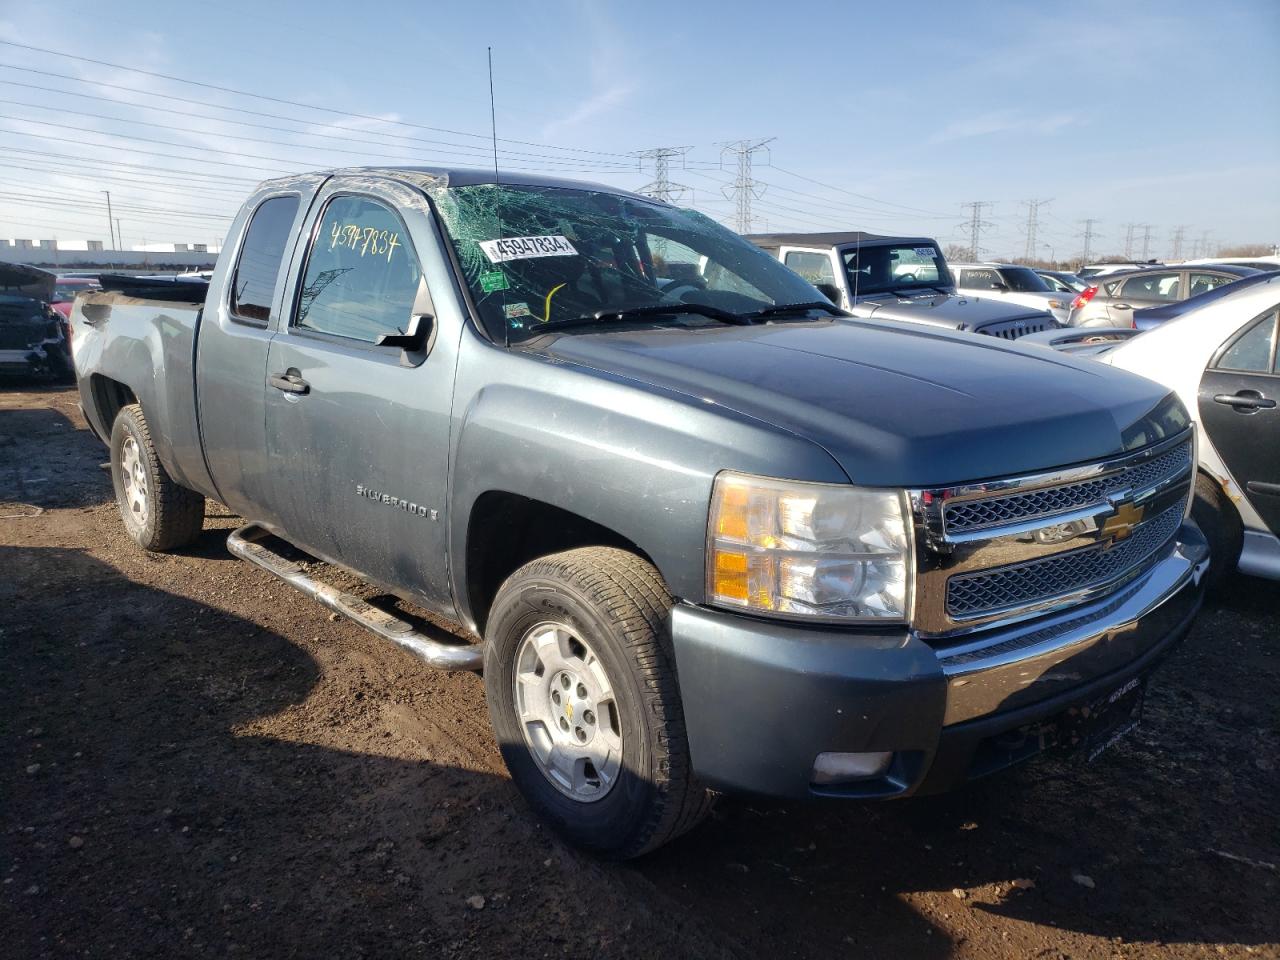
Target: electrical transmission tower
[(744, 188), (1178, 233), (661, 187), (977, 225), (1201, 248), (1089, 236), (1146, 239), (1033, 223), (1128, 240)]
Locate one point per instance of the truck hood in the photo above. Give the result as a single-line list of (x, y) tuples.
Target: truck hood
[(894, 406), (957, 312)]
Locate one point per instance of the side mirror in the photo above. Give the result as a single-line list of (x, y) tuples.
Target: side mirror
[(415, 340), (830, 291), (1002, 287)]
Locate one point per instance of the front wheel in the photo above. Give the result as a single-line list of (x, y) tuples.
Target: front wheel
[(584, 701)]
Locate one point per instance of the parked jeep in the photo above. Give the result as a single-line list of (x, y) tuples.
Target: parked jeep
[(713, 536), (897, 278)]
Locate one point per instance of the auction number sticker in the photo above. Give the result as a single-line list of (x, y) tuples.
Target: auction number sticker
[(926, 252), (525, 248)]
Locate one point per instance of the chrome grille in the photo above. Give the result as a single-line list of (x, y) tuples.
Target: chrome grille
[(974, 594), (978, 514)]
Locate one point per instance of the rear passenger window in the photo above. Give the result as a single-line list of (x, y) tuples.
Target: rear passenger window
[(1152, 286), (362, 275), (1204, 282), (979, 279), (253, 287), (814, 267)]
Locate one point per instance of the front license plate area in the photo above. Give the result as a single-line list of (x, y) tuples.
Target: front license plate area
[(1090, 729)]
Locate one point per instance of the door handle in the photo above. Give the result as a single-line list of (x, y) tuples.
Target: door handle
[(289, 382), (1122, 306), (1245, 400)]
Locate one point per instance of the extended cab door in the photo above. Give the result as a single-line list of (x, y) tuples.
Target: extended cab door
[(1239, 397), (358, 432), (239, 320)]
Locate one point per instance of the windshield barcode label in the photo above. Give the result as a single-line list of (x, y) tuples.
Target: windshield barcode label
[(523, 248)]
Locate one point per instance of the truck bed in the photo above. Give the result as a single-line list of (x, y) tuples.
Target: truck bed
[(142, 349)]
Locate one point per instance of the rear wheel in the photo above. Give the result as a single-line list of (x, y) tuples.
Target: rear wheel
[(1218, 520), (583, 697), (158, 513)]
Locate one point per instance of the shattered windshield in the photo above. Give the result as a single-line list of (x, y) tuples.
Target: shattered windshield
[(879, 268), (535, 256)]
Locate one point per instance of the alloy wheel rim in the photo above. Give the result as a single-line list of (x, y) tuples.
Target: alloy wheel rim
[(568, 714), (134, 478)]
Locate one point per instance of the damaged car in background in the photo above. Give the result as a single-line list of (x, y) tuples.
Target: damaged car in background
[(34, 337)]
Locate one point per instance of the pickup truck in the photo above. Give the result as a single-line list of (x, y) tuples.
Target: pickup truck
[(705, 534), (897, 278)]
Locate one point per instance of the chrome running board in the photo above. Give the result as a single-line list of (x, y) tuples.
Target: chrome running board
[(245, 544)]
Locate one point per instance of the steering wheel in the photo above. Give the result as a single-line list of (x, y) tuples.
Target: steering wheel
[(672, 286)]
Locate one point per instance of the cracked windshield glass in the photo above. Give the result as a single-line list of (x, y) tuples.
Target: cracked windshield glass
[(538, 257)]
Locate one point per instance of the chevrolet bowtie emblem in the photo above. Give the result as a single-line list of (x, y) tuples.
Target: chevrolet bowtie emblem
[(1120, 524)]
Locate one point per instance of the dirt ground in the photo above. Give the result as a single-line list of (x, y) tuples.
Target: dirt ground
[(197, 762)]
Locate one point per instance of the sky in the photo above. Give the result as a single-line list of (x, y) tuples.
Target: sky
[(883, 117)]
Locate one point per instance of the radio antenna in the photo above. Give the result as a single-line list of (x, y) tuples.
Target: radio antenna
[(493, 131), (493, 117)]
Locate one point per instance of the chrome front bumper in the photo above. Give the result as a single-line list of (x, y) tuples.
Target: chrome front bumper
[(1037, 661), (762, 698)]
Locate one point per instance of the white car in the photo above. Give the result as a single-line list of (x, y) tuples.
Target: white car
[(1221, 361), (1011, 283)]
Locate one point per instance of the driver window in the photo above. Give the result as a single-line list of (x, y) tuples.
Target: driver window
[(362, 274)]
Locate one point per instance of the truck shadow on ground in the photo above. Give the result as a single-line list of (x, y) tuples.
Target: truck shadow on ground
[(178, 781), (230, 797)]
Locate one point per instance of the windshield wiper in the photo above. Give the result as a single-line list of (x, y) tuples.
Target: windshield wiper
[(782, 308), (637, 313)]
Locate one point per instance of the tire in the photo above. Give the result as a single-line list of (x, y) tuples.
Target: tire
[(158, 513), (1218, 520), (614, 608)]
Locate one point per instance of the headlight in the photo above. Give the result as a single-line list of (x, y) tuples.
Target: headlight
[(1057, 305), (809, 549)]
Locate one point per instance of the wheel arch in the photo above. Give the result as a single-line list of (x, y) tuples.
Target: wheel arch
[(506, 530), (107, 397)]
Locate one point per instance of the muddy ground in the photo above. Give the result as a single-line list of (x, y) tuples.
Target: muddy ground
[(196, 762)]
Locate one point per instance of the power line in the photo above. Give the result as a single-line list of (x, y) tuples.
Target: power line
[(471, 153), (744, 188), (295, 103), (863, 196), (661, 187)]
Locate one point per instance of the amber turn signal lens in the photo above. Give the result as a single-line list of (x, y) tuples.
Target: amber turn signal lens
[(730, 576)]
